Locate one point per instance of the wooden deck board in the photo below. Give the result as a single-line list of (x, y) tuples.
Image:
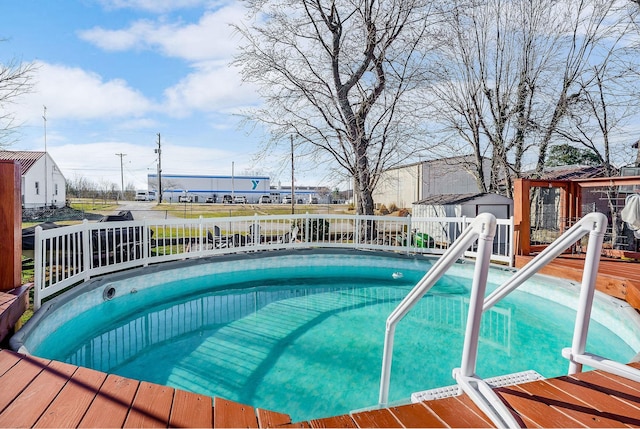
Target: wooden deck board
[(111, 405), (343, 421), (599, 399), (270, 419), (191, 410), (17, 378), (71, 404), (569, 405), (533, 411), (382, 418), (33, 401), (417, 416), (151, 406), (458, 411), (229, 414)]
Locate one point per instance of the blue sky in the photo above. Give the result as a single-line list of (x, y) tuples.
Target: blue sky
[(115, 73)]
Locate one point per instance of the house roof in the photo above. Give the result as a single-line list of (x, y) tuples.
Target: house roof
[(26, 159), (573, 172), (445, 199), (452, 160)]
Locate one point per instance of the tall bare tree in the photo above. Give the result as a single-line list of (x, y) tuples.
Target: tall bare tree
[(511, 71), (15, 80), (338, 75)]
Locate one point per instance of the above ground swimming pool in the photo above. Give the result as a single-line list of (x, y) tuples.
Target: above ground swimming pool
[(301, 332)]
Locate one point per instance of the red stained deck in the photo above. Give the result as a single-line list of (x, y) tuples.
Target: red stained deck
[(617, 277), (41, 393)]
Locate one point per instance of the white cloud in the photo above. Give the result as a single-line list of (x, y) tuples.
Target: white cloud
[(74, 93), (210, 38), (140, 160), (212, 87), (156, 6)]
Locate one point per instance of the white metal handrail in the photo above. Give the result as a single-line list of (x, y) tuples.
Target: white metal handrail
[(482, 229), (68, 255), (593, 224), (476, 388)]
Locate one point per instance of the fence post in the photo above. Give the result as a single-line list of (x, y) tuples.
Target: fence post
[(39, 262), (307, 228), (87, 247), (511, 240), (146, 243), (200, 235), (407, 234)]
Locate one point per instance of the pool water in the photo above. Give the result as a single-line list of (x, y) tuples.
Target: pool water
[(310, 345)]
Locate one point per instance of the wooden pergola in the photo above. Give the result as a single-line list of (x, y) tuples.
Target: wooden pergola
[(569, 207), (618, 277)]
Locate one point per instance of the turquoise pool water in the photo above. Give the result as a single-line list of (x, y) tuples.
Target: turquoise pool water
[(303, 333)]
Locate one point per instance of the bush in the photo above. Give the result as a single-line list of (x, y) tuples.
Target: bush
[(393, 208), (383, 210)]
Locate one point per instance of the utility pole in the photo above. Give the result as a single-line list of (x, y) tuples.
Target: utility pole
[(46, 173), (159, 152), (293, 195), (121, 155)]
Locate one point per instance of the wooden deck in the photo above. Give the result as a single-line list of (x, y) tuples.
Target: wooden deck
[(42, 393), (36, 392), (616, 277), (13, 304)]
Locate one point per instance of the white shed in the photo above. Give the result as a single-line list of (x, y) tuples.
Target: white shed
[(458, 205), (43, 184)]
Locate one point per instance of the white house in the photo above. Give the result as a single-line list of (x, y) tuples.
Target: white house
[(409, 183), (42, 181)]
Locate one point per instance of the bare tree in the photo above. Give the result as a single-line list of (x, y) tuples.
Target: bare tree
[(512, 70), (15, 80), (338, 76)]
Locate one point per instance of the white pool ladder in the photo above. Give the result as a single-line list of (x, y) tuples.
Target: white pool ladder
[(483, 229)]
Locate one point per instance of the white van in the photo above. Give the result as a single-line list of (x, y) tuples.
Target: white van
[(145, 196)]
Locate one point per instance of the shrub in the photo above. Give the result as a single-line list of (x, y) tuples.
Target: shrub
[(393, 208), (383, 210)]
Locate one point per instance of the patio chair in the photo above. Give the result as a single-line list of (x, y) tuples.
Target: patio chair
[(217, 240)]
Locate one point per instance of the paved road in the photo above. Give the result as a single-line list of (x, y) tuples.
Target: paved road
[(143, 210)]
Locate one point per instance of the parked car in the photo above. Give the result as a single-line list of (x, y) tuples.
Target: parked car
[(314, 200), (184, 199), (240, 199), (265, 199), (226, 199), (210, 200), (286, 200)]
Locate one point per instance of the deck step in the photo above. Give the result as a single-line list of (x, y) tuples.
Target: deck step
[(499, 381)]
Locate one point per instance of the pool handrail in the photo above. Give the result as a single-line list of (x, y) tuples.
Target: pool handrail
[(594, 224), (482, 229), (481, 393), (474, 386)]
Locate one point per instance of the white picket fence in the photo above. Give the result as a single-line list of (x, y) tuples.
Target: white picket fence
[(69, 255)]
